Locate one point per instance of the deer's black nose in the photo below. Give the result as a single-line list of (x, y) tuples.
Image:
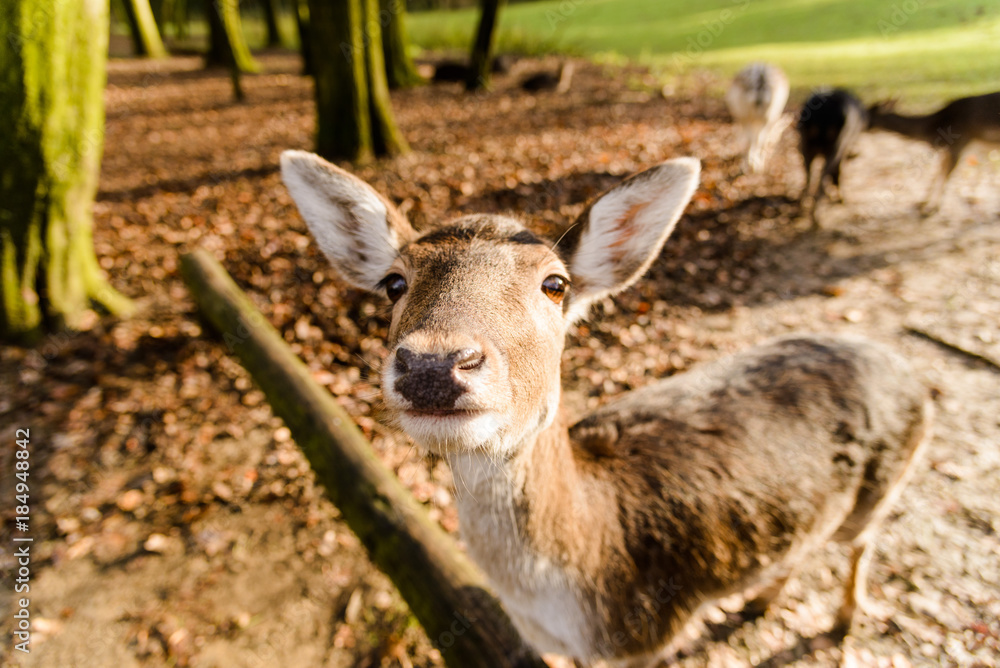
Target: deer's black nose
[(434, 381)]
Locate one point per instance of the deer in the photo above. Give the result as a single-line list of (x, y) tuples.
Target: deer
[(756, 100), (951, 129), (603, 537), (829, 124), (558, 81)]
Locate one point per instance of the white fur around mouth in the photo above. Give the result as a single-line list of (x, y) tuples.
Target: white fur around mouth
[(450, 430)]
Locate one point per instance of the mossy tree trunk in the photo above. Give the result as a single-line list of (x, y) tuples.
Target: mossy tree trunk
[(175, 14), (386, 136), (226, 43), (142, 24), (271, 13), (399, 69), (52, 112), (354, 114), (481, 58), (302, 23)]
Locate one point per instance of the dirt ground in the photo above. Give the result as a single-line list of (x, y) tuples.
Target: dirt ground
[(176, 524)]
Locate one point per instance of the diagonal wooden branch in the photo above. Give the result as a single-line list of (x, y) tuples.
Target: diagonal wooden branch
[(443, 589)]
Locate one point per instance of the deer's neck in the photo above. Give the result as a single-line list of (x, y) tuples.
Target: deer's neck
[(540, 500), (915, 127), (539, 525)]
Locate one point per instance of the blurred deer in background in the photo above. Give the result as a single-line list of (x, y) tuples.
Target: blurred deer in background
[(952, 128), (603, 538), (558, 81), (829, 124), (756, 100)]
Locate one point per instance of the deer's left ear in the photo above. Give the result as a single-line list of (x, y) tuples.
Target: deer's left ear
[(615, 240), (358, 229)]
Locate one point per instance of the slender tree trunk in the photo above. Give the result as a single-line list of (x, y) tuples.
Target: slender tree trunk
[(399, 69), (170, 12), (343, 124), (52, 112), (302, 23), (175, 15), (271, 13), (354, 116), (228, 55), (482, 50), (182, 12), (145, 33), (226, 41), (386, 136)]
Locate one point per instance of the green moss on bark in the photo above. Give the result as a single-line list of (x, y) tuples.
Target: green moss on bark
[(386, 136), (51, 102), (226, 41), (145, 34), (399, 69), (343, 124), (354, 113)]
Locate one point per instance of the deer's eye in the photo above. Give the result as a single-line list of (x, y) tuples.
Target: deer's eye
[(555, 288), (394, 285)]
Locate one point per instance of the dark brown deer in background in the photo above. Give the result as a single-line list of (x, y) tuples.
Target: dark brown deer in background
[(829, 124), (602, 538), (950, 129)]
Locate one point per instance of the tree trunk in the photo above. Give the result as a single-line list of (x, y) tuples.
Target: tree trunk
[(175, 16), (354, 117), (399, 69), (386, 136), (226, 42), (446, 593), (343, 124), (145, 34), (271, 13), (52, 112), (305, 44), (482, 50)]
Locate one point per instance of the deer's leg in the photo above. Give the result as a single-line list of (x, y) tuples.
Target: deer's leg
[(808, 158), (756, 151), (948, 164), (759, 604), (820, 190), (856, 587), (834, 172)]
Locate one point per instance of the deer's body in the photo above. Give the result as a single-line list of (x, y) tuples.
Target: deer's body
[(607, 541), (951, 129), (603, 537), (829, 124), (756, 100)]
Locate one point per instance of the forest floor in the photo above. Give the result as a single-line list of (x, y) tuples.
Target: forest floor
[(176, 524)]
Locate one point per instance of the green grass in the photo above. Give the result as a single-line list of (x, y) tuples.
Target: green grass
[(922, 51)]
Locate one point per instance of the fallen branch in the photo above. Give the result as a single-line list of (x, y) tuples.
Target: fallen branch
[(444, 590), (952, 345)]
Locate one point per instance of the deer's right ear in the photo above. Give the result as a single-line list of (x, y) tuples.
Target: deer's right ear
[(359, 230), (616, 239)]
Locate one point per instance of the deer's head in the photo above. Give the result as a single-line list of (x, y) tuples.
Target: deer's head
[(481, 304)]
